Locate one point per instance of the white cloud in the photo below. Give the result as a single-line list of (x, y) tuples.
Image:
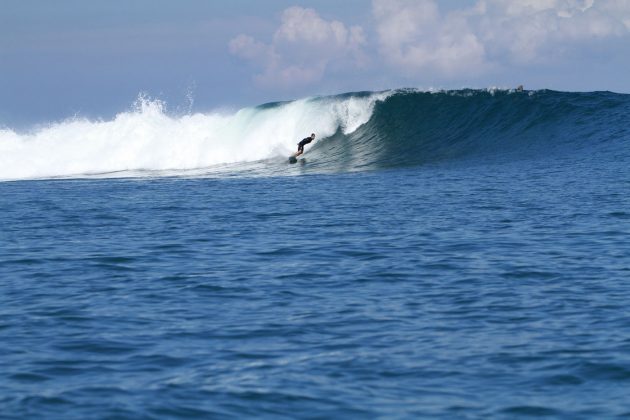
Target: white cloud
[(303, 48), (420, 41), (248, 48), (414, 36), (538, 29)]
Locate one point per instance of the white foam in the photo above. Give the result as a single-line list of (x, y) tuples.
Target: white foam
[(148, 138)]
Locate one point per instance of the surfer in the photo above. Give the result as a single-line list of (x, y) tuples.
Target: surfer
[(301, 144)]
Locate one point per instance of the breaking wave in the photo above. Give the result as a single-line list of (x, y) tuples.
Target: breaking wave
[(356, 131)]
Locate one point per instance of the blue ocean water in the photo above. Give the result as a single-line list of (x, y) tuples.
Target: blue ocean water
[(457, 255)]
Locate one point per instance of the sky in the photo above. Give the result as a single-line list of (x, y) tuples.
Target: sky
[(66, 58)]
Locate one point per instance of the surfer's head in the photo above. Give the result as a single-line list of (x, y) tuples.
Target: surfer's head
[(312, 135)]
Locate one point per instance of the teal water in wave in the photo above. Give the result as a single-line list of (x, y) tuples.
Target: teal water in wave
[(462, 255)]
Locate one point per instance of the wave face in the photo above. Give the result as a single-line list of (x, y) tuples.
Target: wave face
[(356, 131), (413, 128)]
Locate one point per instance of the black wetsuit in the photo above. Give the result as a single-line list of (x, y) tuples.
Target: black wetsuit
[(303, 142)]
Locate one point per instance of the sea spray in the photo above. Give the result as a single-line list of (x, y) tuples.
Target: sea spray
[(148, 138)]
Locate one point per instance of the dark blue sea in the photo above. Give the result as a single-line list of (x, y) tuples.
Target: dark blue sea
[(456, 254)]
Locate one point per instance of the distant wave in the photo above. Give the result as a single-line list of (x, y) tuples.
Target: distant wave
[(356, 131)]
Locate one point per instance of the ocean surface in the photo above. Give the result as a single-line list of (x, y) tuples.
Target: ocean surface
[(448, 254)]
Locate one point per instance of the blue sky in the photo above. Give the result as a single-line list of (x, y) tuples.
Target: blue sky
[(92, 58)]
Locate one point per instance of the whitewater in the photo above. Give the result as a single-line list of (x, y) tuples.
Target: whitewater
[(147, 138)]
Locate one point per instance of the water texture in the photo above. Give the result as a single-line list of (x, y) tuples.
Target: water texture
[(473, 264)]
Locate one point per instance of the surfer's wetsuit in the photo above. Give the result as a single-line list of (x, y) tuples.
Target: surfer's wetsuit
[(303, 142)]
